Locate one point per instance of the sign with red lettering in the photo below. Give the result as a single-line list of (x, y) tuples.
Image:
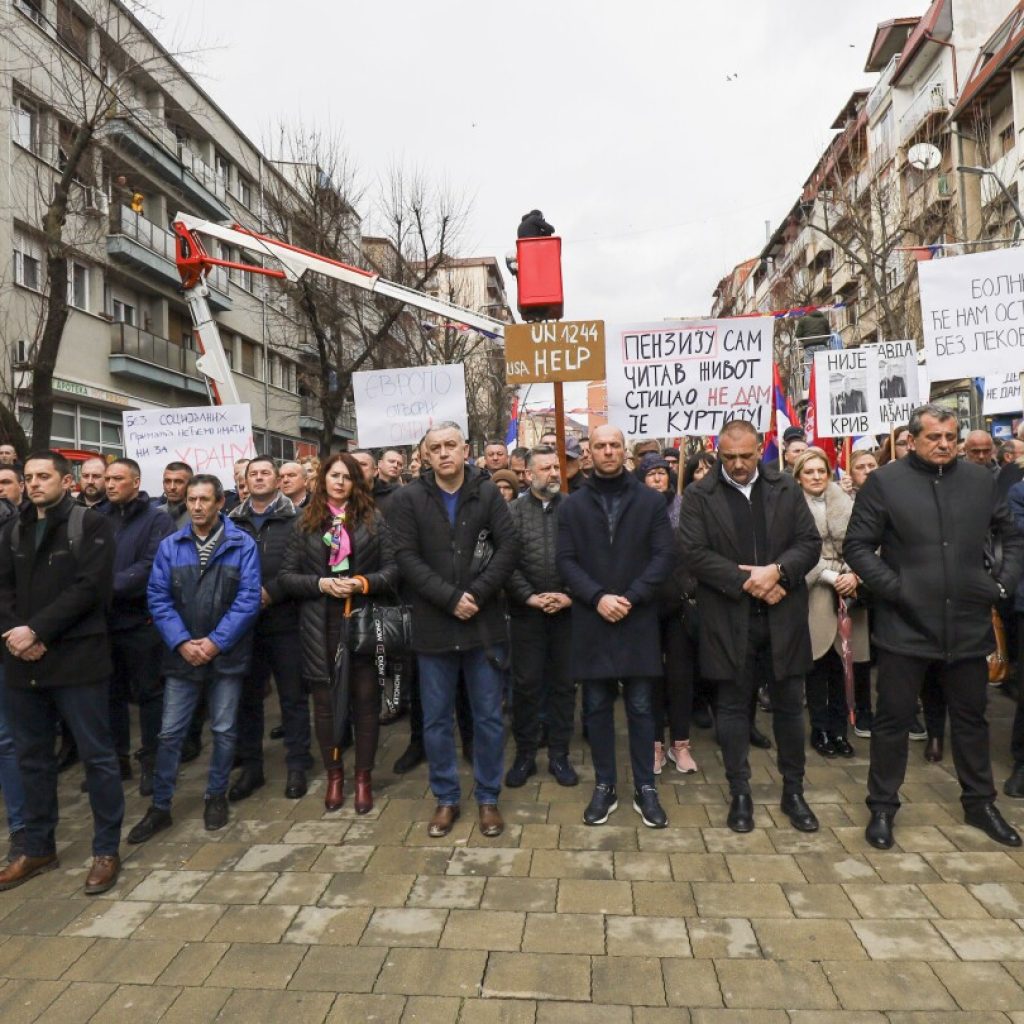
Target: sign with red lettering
[(972, 314), (688, 377), (554, 350)]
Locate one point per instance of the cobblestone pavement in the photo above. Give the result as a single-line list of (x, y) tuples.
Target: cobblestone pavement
[(291, 914)]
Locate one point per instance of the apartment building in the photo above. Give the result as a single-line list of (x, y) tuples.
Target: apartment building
[(161, 145)]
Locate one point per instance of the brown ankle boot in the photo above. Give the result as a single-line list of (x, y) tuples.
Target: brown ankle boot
[(335, 795), (364, 794)]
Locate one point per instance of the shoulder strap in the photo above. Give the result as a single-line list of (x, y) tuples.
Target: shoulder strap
[(76, 529)]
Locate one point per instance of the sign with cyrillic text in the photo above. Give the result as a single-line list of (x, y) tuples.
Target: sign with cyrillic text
[(689, 377), (841, 378), (554, 350), (1002, 395), (210, 438), (972, 314), (893, 384), (397, 407)]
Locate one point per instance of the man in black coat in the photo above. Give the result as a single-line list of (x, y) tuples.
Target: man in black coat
[(541, 628), (917, 539), (456, 547), (269, 518), (614, 552), (56, 579), (749, 539)]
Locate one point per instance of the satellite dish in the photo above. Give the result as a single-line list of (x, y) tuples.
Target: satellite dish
[(924, 156)]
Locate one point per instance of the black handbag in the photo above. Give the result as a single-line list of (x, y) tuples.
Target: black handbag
[(381, 630)]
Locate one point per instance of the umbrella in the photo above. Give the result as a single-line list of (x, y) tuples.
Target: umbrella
[(846, 653), (340, 684)]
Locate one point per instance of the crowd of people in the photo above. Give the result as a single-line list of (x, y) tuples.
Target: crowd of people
[(742, 583)]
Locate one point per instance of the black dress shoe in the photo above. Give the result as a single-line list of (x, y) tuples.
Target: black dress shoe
[(821, 742), (155, 820), (414, 755), (992, 823), (249, 780), (933, 749), (802, 818), (277, 733), (879, 830), (741, 813), (842, 746), (758, 739), (295, 788)]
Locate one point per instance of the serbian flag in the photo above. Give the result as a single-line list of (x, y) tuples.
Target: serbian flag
[(512, 434), (826, 444), (783, 417)]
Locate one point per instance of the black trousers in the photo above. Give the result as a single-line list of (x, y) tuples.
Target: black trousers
[(933, 702), (735, 714), (542, 681), (33, 719), (137, 655), (673, 692), (280, 654), (826, 695), (965, 687), (1017, 734)]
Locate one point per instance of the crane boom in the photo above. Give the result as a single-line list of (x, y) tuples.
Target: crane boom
[(194, 263)]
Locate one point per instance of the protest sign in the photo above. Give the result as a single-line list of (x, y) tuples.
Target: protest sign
[(1002, 395), (208, 437), (842, 392), (688, 377), (554, 350), (893, 384), (399, 406), (972, 311)]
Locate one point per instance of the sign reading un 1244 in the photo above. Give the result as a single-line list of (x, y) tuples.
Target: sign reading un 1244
[(554, 350)]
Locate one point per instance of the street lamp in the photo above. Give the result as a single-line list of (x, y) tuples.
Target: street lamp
[(981, 172)]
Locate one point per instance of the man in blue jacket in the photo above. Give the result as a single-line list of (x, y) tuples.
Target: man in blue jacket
[(135, 645), (204, 596)]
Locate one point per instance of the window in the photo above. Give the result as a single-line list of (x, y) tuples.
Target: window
[(245, 193), (31, 9), (248, 358), (124, 313), (223, 166), (28, 269), (78, 286), (25, 125)]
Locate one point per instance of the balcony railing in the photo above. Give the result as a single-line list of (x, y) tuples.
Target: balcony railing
[(882, 87), (203, 172), (128, 340), (932, 100), (1005, 168)]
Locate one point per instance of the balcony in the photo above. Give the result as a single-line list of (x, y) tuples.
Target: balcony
[(311, 418), (929, 103), (844, 277), (143, 356), (150, 140), (933, 191), (882, 88), (1005, 168), (822, 283), (148, 249)]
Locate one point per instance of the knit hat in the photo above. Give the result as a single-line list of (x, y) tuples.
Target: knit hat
[(793, 434), (506, 476), (651, 462)]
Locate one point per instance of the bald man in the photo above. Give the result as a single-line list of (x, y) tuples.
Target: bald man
[(293, 481), (92, 488), (980, 449)]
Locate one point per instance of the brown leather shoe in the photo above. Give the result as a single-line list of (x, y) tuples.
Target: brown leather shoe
[(103, 874), (334, 796), (364, 792), (22, 868), (491, 823), (443, 820)]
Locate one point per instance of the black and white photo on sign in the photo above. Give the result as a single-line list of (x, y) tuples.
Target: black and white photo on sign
[(848, 393), (893, 384), (843, 395)]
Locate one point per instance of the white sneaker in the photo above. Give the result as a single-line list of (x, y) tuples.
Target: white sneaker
[(680, 754)]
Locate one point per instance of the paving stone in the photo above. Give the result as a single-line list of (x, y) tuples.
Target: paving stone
[(297, 888), (463, 892), (328, 926), (400, 860), (902, 940), (258, 965), (436, 972), (691, 983), (295, 1007), (339, 969), (342, 858), (607, 837), (514, 1011), (722, 938), (889, 901), (701, 1016), (632, 980), (196, 1006), (643, 867), (378, 1009), (108, 921), (564, 933), (327, 833), (537, 976), (984, 940), (745, 867), (563, 864), (895, 867), (639, 936), (24, 1000), (1000, 899), (952, 900), (404, 926), (43, 917), (950, 1017), (715, 899), (253, 924), (483, 929), (213, 857), (351, 890), (275, 857), (170, 886), (774, 984), (491, 860), (539, 837), (76, 1004), (123, 961), (699, 867), (808, 939), (594, 896), (184, 922), (836, 1017), (893, 985), (524, 894), (660, 1015), (194, 963), (674, 840), (975, 867), (789, 841), (821, 900), (980, 986), (659, 898), (432, 1010), (236, 887), (138, 1002)]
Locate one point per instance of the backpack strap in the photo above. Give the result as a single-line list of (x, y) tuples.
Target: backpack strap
[(76, 529)]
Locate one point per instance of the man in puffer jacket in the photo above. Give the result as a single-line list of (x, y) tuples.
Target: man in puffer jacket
[(204, 596)]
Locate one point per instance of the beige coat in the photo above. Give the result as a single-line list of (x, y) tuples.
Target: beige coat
[(831, 517)]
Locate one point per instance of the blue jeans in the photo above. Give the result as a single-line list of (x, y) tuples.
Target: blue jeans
[(10, 775), (180, 699), (599, 711), (439, 678)]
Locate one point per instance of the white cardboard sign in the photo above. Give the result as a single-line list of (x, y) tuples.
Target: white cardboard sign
[(843, 392), (893, 384), (397, 407), (1002, 395)]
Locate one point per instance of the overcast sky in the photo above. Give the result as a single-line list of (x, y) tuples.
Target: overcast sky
[(618, 120)]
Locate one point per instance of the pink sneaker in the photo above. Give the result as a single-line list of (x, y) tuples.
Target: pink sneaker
[(680, 754), (659, 757)]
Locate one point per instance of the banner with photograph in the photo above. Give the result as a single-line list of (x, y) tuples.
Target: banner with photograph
[(893, 384), (843, 390)]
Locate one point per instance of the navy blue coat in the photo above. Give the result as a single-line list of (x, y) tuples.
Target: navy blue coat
[(632, 563), (139, 527)]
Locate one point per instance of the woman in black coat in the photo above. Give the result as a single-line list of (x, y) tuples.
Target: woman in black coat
[(341, 549)]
